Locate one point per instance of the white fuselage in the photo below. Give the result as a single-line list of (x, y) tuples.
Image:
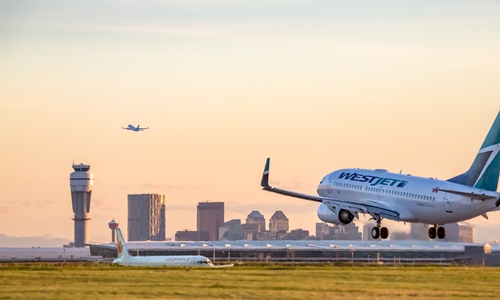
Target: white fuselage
[(416, 199), (169, 261)]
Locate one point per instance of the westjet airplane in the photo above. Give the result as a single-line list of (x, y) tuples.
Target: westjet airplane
[(137, 129), (125, 259), (346, 193)]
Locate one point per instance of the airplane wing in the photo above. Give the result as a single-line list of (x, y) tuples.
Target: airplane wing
[(223, 266), (125, 128), (143, 128), (373, 208)]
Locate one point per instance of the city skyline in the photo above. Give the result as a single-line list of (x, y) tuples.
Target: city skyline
[(222, 86)]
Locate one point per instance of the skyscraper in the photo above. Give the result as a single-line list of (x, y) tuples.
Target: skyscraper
[(278, 222), (81, 182), (146, 217), (255, 217), (209, 218)]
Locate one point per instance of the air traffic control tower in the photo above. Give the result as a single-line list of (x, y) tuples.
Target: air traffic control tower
[(81, 182)]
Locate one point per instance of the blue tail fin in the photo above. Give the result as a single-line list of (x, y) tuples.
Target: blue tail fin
[(484, 171)]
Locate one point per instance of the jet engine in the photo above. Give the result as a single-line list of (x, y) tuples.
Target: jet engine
[(327, 215)]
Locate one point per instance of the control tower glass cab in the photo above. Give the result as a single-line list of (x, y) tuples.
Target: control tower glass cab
[(113, 225), (81, 182)]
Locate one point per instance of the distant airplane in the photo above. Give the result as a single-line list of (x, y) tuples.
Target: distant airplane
[(346, 193), (125, 259), (131, 127)]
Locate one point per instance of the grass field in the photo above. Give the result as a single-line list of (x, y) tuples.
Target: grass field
[(102, 281)]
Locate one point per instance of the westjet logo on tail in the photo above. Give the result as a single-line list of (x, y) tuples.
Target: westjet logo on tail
[(373, 180)]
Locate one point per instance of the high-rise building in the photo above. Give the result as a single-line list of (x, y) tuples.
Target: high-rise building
[(209, 218), (367, 229), (298, 234), (322, 230), (81, 182), (278, 222), (187, 235), (459, 232), (231, 230), (250, 231), (338, 232), (146, 217), (255, 217), (419, 232)]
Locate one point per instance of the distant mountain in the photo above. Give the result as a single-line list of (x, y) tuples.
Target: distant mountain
[(46, 240)]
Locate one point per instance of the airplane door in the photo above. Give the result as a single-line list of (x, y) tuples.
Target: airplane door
[(447, 204)]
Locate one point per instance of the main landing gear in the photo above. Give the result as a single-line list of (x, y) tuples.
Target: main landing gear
[(378, 231), (434, 231)]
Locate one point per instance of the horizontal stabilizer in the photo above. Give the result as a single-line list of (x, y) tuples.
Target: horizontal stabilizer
[(470, 195)]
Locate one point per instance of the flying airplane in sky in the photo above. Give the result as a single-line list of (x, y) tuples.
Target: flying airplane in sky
[(346, 193), (131, 127), (125, 259)]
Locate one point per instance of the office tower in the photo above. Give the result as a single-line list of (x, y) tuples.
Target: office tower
[(187, 235), (250, 231), (146, 217), (255, 217), (350, 232), (113, 225), (322, 230), (231, 230), (367, 236), (81, 182), (459, 232), (419, 232), (298, 234), (278, 222), (210, 217)]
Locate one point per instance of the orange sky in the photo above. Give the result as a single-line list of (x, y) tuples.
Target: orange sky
[(223, 86)]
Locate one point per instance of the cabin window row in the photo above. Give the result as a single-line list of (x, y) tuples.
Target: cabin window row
[(386, 191)]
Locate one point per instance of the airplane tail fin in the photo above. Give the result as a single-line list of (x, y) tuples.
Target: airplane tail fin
[(122, 247), (484, 171)]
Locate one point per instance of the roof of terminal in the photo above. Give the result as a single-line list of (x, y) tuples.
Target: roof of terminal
[(305, 245)]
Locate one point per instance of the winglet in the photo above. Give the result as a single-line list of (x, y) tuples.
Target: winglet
[(265, 176)]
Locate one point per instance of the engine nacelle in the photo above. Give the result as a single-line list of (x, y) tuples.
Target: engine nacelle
[(325, 214)]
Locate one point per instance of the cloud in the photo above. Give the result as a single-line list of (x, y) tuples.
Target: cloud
[(174, 31)]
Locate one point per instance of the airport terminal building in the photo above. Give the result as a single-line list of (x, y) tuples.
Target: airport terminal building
[(317, 251)]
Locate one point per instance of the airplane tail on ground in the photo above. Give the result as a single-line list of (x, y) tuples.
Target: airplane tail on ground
[(121, 246), (484, 171)]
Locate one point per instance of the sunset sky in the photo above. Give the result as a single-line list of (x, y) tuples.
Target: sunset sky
[(400, 85)]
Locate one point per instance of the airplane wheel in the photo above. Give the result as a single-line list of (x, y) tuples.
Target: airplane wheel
[(432, 233), (375, 232), (441, 232), (384, 233)]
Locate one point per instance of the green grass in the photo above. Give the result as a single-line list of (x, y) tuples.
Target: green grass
[(101, 281)]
